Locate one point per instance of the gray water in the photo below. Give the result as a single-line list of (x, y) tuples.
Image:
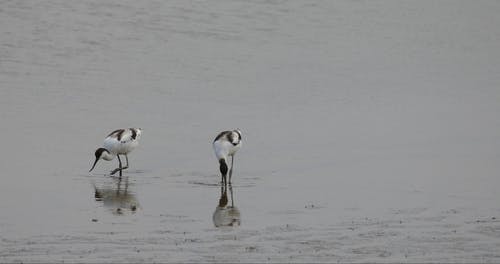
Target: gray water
[(370, 129)]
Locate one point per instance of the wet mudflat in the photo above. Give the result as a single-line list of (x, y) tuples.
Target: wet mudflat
[(370, 131)]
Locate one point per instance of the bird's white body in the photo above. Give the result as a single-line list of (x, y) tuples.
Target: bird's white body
[(118, 142), (225, 145), (122, 141)]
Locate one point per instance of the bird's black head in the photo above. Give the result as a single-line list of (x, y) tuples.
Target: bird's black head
[(98, 155), (223, 167), (99, 152), (238, 132)]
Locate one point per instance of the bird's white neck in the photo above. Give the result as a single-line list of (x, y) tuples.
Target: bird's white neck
[(107, 156)]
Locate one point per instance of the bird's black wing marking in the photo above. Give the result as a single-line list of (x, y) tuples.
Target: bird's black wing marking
[(221, 134), (117, 133), (231, 138), (134, 133)]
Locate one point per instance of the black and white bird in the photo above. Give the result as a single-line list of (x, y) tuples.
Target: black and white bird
[(226, 144), (118, 142)]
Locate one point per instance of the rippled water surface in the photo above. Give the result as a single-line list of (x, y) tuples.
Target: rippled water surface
[(370, 131)]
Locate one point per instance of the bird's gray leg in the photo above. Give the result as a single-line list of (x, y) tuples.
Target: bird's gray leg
[(231, 170), (120, 161), (126, 166), (119, 168)]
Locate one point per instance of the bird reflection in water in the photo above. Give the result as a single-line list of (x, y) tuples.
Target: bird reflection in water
[(225, 214), (118, 198)]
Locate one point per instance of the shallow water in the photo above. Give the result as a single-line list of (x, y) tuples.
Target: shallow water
[(370, 131)]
